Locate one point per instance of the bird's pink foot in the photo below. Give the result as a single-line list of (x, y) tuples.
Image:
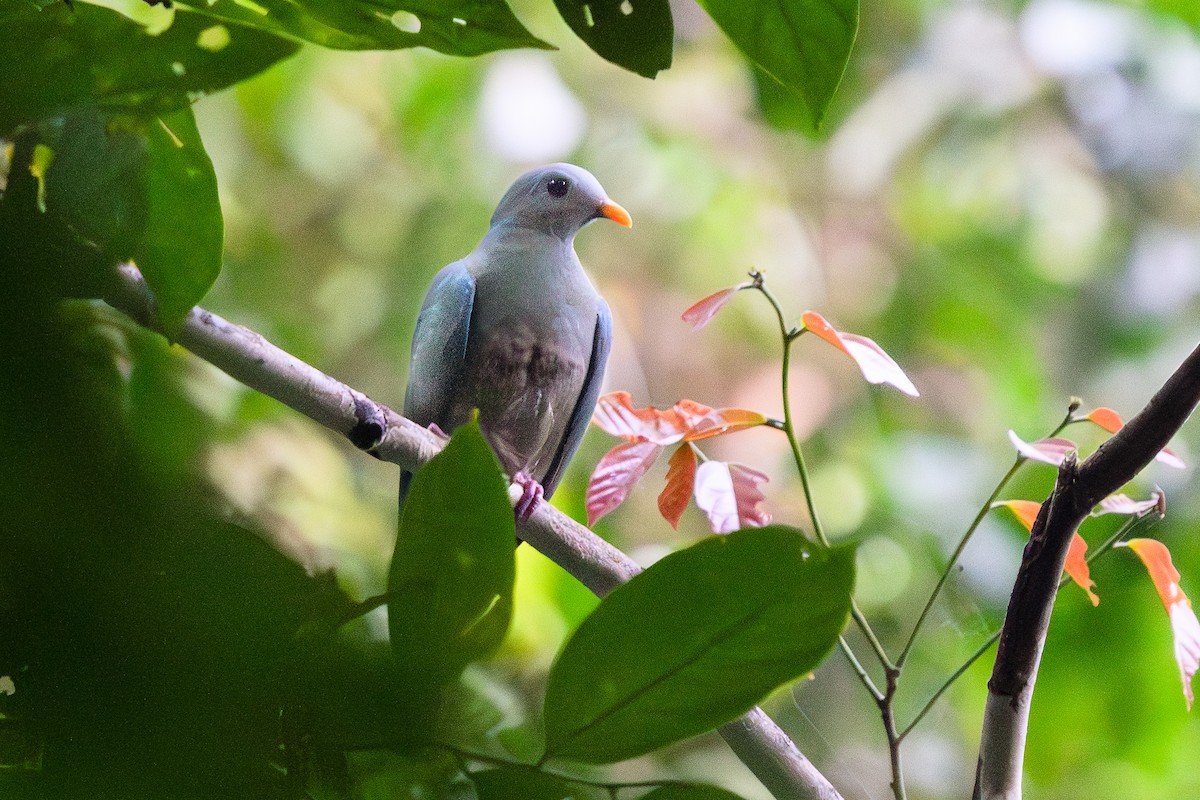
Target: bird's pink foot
[(531, 495), (437, 431)]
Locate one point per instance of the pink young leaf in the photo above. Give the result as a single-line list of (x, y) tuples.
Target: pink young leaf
[(1123, 504), (1047, 451), (681, 476), (1165, 456), (616, 474), (687, 420), (1076, 565), (616, 415), (702, 311), (1111, 421), (729, 495), (875, 364), (1184, 625)]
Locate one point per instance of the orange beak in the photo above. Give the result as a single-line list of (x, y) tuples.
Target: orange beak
[(617, 214)]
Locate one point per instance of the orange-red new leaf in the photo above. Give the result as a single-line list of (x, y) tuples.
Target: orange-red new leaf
[(616, 474), (681, 477), (1184, 625), (1076, 565), (874, 363), (1111, 421), (721, 421)]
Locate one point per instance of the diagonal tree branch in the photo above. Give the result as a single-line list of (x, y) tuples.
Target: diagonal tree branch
[(1079, 488), (249, 358)]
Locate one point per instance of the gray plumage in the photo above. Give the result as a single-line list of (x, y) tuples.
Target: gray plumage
[(516, 330)]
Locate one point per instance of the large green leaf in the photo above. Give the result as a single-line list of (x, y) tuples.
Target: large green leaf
[(61, 56), (456, 27), (96, 182), (451, 578), (635, 35), (141, 189), (528, 783), (694, 641), (803, 44), (180, 254)]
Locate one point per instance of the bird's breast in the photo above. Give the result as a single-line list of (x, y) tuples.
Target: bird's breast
[(527, 375)]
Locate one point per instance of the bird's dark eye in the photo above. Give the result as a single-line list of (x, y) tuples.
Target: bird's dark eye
[(557, 186)]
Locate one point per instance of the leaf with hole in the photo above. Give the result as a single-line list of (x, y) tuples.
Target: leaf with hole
[(694, 641), (454, 27), (62, 57), (634, 34)]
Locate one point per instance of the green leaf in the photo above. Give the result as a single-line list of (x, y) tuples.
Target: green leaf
[(639, 40), (420, 773), (694, 641), (689, 791), (451, 578), (58, 58), (143, 190), (96, 181), (802, 44), (180, 254), (528, 783), (455, 27)]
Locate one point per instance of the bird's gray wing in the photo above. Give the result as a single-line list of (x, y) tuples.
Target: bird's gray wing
[(439, 349), (581, 415), (439, 346)]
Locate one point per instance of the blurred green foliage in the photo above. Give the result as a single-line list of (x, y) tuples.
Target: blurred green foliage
[(1007, 205)]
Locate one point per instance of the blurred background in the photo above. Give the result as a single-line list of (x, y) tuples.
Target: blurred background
[(1005, 196)]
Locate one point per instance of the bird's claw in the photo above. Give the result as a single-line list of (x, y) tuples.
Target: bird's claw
[(531, 495), (437, 431)]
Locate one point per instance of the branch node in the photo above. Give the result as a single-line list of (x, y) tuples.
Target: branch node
[(369, 428)]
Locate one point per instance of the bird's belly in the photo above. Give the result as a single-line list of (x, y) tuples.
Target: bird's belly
[(527, 379)]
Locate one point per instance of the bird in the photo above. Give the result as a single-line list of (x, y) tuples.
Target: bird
[(516, 330)]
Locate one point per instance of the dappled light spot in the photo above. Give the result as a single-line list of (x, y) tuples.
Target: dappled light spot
[(407, 22), (627, 8), (214, 39), (588, 19)]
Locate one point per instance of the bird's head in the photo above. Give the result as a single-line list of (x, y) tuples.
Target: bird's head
[(558, 199)]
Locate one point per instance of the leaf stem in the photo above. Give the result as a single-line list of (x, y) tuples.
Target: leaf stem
[(958, 551), (958, 673), (789, 335), (1108, 544), (966, 537)]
